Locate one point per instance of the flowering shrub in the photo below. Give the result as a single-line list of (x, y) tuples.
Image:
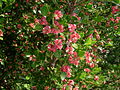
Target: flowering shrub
[(57, 44)]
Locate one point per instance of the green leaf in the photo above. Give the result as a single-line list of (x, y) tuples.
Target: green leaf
[(1, 38), (117, 1), (11, 1), (0, 3), (80, 14), (93, 42), (90, 42), (34, 11), (45, 10), (5, 1), (85, 20), (83, 75), (33, 65), (96, 70), (42, 1), (74, 18), (1, 26), (89, 6), (2, 63), (58, 54), (90, 76), (81, 53), (27, 86), (62, 75), (97, 83), (63, 21), (110, 43), (67, 87), (99, 18), (2, 19), (27, 77), (118, 33), (38, 27), (81, 34), (75, 46)]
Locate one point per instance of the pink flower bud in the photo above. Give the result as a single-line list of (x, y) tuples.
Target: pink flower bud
[(34, 88), (46, 30), (87, 70), (58, 14), (96, 78), (71, 27), (36, 20), (43, 21), (19, 26), (65, 68), (1, 33), (92, 65), (16, 5), (52, 47), (84, 86), (70, 82), (42, 68), (97, 36), (32, 25)]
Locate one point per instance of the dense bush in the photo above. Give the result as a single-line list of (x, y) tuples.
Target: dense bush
[(59, 44)]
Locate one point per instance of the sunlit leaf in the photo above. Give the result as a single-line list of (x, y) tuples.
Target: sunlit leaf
[(1, 38), (81, 53), (83, 75), (63, 75)]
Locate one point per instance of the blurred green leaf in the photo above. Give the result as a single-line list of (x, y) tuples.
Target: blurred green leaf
[(90, 76), (117, 1), (5, 1), (63, 21), (118, 33), (75, 45), (38, 27), (74, 18), (0, 3), (2, 63), (80, 14), (58, 54), (81, 34), (97, 83), (35, 11), (62, 75), (96, 70), (11, 1), (89, 41), (89, 6), (81, 53), (110, 43), (1, 38), (27, 86), (2, 19), (99, 18), (27, 77), (45, 10), (33, 65), (1, 26), (83, 75), (67, 87)]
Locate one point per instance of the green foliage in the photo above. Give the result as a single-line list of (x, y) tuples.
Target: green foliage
[(45, 10), (59, 57)]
